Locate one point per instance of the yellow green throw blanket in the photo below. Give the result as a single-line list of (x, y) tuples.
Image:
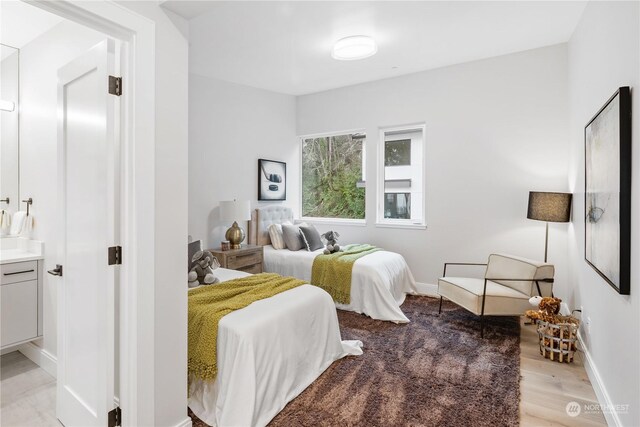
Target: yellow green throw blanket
[(332, 272), (208, 304)]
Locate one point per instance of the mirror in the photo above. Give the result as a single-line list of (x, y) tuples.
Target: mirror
[(9, 132)]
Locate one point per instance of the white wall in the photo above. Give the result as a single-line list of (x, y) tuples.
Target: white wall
[(604, 54), (230, 127), (165, 361), (495, 129), (39, 63)]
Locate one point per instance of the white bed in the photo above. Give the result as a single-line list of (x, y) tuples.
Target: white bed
[(379, 282), (268, 353)]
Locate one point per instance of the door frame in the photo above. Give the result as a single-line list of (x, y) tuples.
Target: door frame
[(137, 221)]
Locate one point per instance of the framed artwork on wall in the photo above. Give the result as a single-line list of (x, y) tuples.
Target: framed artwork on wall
[(607, 224), (272, 180)]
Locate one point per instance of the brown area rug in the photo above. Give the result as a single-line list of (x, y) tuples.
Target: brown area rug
[(435, 370)]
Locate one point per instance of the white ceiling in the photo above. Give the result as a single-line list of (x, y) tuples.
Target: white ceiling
[(286, 46), (20, 22)]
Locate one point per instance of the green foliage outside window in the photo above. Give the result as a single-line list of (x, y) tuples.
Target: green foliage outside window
[(331, 169), (397, 153)]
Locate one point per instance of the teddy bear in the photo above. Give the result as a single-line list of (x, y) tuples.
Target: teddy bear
[(332, 242), (548, 309), (202, 265)]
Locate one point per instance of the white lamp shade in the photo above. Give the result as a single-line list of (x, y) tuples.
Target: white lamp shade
[(235, 210)]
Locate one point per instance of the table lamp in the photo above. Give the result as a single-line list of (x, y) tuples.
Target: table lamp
[(549, 207), (235, 211)]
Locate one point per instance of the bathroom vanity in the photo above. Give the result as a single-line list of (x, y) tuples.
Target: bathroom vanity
[(21, 269)]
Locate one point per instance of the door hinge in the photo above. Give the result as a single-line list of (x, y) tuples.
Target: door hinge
[(115, 255), (115, 417), (115, 85)]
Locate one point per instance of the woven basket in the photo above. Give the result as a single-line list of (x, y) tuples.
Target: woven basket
[(558, 341)]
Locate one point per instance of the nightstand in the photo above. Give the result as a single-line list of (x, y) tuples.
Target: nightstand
[(247, 259)]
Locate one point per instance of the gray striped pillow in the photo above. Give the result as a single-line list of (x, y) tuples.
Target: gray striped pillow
[(275, 234), (311, 237)]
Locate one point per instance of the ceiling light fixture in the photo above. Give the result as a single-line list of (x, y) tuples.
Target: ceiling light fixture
[(354, 47)]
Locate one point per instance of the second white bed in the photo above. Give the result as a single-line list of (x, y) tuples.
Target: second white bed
[(268, 353), (379, 281)]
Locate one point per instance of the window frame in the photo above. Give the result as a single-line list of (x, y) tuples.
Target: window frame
[(381, 221), (324, 220)]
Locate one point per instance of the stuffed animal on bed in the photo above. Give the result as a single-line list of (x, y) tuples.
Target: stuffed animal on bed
[(202, 265), (332, 242)]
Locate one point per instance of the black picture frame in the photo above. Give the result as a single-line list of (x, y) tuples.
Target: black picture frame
[(272, 180), (609, 131)]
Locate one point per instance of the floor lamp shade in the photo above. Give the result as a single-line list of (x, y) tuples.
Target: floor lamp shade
[(549, 207)]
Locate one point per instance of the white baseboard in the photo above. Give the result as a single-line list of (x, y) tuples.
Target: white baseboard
[(185, 423), (9, 350), (40, 357), (428, 289), (594, 376)]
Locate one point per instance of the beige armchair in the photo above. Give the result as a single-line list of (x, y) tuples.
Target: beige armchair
[(508, 283)]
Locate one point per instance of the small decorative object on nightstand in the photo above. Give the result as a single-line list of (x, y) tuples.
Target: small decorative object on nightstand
[(235, 211), (247, 259)]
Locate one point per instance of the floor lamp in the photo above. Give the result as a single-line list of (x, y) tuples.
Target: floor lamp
[(549, 207)]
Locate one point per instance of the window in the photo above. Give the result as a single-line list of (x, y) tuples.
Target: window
[(397, 205), (401, 177), (333, 176), (397, 153)]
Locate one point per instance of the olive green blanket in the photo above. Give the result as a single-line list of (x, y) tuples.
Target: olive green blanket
[(208, 304), (332, 272)]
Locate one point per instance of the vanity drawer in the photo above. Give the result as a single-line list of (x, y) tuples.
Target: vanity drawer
[(18, 272), (19, 308)]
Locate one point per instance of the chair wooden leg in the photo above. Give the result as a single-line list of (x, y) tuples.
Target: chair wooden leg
[(482, 326), (440, 309)]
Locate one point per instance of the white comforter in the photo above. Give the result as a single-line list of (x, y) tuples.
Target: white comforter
[(268, 353), (379, 281)]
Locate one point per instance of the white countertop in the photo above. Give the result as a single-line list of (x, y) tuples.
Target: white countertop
[(17, 255), (18, 249)]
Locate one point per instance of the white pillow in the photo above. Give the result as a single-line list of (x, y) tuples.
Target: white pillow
[(275, 233)]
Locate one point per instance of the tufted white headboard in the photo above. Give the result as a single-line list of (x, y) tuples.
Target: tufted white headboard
[(262, 218)]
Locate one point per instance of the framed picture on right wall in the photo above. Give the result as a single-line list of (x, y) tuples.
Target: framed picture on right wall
[(607, 224)]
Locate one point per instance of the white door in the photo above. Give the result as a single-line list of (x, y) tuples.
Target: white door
[(87, 162)]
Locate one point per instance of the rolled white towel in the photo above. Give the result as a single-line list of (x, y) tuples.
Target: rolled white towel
[(17, 223), (21, 224), (29, 222), (5, 220)]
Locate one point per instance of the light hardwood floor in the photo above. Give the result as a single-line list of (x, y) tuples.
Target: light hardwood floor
[(28, 396), (547, 387)]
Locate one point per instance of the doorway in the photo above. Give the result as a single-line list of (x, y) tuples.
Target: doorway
[(137, 173), (68, 170)]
